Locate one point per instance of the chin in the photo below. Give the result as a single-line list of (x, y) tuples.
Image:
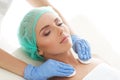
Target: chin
[(68, 47)]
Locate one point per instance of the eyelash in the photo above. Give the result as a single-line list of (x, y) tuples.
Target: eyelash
[(60, 24)]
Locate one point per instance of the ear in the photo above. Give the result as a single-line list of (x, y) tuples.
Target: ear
[(40, 52)]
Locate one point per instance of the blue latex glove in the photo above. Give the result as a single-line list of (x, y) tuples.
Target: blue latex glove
[(48, 69), (81, 47)]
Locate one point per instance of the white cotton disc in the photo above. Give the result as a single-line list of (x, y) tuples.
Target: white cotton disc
[(72, 74)]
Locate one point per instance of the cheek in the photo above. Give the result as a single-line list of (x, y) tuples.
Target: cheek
[(48, 44)]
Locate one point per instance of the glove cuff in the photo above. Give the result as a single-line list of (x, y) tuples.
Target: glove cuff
[(27, 72)]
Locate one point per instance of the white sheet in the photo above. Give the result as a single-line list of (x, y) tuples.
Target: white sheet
[(6, 75), (103, 72)]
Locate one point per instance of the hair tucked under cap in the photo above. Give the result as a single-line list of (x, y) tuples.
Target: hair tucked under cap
[(27, 35)]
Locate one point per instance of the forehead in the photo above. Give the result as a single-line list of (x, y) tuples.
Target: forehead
[(47, 15), (46, 18)]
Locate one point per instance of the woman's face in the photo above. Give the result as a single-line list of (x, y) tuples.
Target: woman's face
[(52, 35)]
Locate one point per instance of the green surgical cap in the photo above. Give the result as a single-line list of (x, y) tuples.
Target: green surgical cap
[(27, 34)]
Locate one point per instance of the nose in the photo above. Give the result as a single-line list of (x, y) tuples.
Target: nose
[(60, 30)]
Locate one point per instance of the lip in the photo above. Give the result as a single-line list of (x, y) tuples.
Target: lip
[(64, 39)]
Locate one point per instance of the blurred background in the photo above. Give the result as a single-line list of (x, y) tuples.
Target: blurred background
[(97, 21)]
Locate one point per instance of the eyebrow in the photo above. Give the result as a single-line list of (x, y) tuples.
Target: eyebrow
[(56, 20), (44, 28)]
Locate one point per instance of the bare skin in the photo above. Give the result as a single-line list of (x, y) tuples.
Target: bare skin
[(11, 63), (50, 45), (81, 69)]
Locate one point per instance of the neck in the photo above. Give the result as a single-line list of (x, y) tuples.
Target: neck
[(68, 57)]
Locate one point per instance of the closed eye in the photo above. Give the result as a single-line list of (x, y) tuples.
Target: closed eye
[(60, 24), (46, 32)]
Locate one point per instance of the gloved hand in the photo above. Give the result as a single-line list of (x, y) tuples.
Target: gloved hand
[(48, 69), (82, 48)]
